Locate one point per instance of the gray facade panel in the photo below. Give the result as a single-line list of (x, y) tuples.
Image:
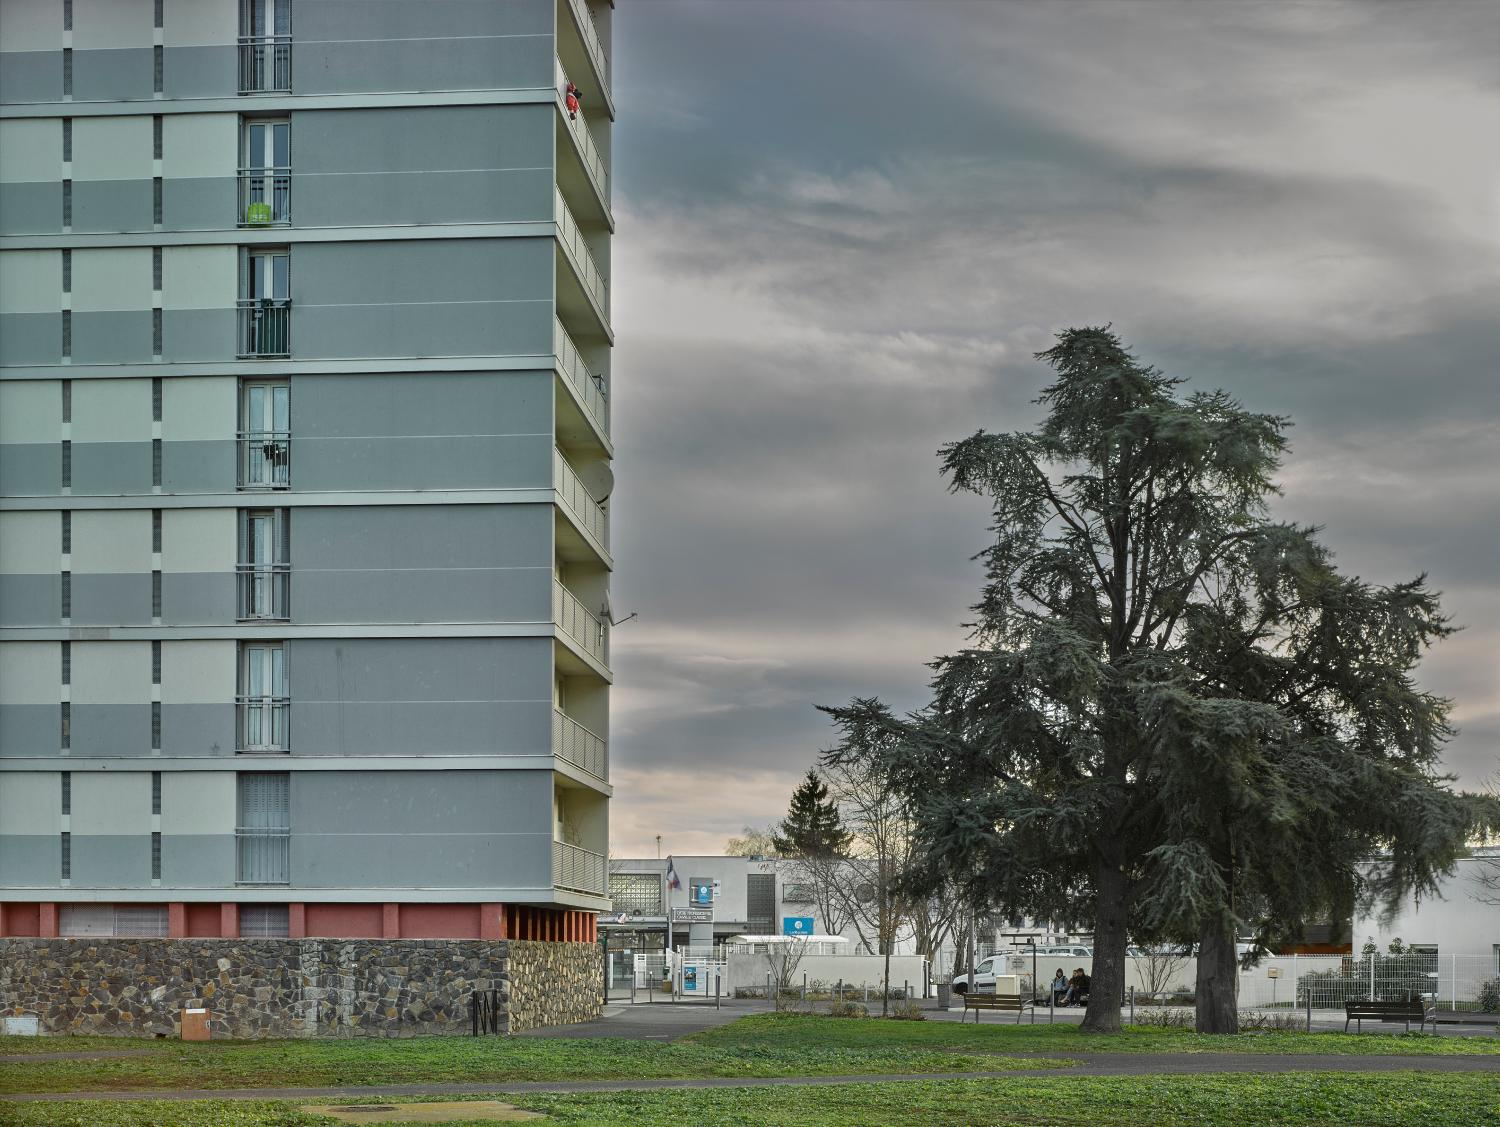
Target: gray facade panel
[(112, 600), (429, 403), (424, 270), (471, 595), (30, 729), (112, 205), (466, 329), (30, 338), (30, 209), (112, 729), (30, 600), (30, 860), (425, 139), (195, 205), (112, 860), (199, 334), (198, 467), (30, 469), (429, 536), (438, 462), (197, 729), (200, 72), (420, 64), (31, 76), (119, 75), (197, 860), (445, 860), (111, 467), (333, 19), (421, 727), (200, 598), (115, 337), (332, 200), (420, 669)]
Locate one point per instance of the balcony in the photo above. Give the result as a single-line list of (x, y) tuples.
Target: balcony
[(585, 629), (263, 856), (572, 742), (577, 869), (590, 277), (264, 592), (588, 387), (265, 64), (265, 459), (589, 34), (579, 504), (583, 141), (265, 328), (263, 725), (265, 197)]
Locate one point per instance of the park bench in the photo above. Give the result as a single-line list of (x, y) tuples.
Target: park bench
[(1405, 1010), (1005, 1003)]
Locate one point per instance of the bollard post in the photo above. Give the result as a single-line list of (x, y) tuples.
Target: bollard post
[(716, 987), (1309, 1007), (769, 997), (841, 990), (906, 990), (1132, 1005), (804, 987), (1051, 1007)]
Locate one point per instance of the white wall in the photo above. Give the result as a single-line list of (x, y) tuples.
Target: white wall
[(1456, 921)]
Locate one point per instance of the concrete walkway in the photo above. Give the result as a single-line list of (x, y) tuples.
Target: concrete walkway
[(1090, 1064)]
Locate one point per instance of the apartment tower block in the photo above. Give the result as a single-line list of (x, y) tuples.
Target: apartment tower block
[(304, 468)]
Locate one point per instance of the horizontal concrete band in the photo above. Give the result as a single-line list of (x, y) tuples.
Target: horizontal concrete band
[(540, 227)]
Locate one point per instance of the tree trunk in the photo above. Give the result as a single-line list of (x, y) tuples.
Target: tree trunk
[(1107, 983), (1218, 976)]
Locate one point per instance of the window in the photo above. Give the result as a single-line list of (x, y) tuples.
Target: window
[(636, 893), (264, 563), (265, 46), (796, 894), (266, 304), (67, 792), (760, 903), (105, 920), (265, 172), (265, 435), (264, 703), (264, 830), (265, 921)]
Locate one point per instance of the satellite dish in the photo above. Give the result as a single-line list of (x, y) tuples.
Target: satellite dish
[(598, 479)]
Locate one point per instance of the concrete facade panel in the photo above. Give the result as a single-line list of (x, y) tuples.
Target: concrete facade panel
[(33, 470), (30, 861), (469, 329), (29, 338), (111, 730), (30, 730), (445, 860), (200, 145), (423, 595), (195, 467), (197, 802), (198, 540), (112, 600), (199, 408), (30, 802), (32, 147), (111, 149), (30, 600), (111, 468), (198, 204), (194, 23), (421, 669), (333, 19), (30, 542), (111, 672), (112, 802), (403, 727), (436, 462), (423, 270), (198, 729), (421, 64), (114, 76), (444, 404), (30, 209), (30, 673), (397, 140), (112, 205), (199, 277), (198, 672), (112, 860), (109, 279), (199, 334), (112, 338), (200, 72), (200, 599), (30, 411), (432, 536), (111, 411), (31, 281), (31, 76), (112, 23), (31, 25), (331, 200), (111, 541), (197, 860)]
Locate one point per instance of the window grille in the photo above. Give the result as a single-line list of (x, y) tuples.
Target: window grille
[(156, 442), (67, 792), (67, 340), (67, 203), (67, 124), (67, 271), (155, 855), (637, 893), (156, 201), (265, 921), (67, 15), (156, 400), (156, 340), (159, 15), (156, 530), (67, 663), (67, 72), (156, 663), (156, 792), (156, 594), (156, 139), (67, 531), (140, 920), (156, 278), (67, 401), (158, 54), (67, 855), (67, 594), (156, 725), (65, 730)]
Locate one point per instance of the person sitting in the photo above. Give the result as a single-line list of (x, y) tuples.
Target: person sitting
[(1078, 988), (1059, 987)]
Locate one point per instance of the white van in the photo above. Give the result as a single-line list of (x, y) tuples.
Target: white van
[(989, 978)]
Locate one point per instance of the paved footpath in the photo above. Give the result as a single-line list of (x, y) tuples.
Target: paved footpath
[(1090, 1064)]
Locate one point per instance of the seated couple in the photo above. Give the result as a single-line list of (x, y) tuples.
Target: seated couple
[(1070, 991)]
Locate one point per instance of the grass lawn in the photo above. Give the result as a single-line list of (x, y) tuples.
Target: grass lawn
[(1296, 1100)]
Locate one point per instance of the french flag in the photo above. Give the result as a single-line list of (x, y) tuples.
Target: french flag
[(672, 881)]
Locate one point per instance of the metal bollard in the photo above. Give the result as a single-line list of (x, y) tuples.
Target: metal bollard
[(1309, 1005), (716, 988), (1132, 1005), (804, 987)]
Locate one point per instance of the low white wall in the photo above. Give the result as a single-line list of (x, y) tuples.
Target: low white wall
[(853, 970)]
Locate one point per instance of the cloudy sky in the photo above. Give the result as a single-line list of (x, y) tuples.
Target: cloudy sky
[(844, 228)]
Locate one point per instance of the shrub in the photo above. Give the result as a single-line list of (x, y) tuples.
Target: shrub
[(1272, 1023), (907, 1011), (848, 1009), (1489, 996), (1165, 1019)]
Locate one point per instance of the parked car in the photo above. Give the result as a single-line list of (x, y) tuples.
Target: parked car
[(983, 977)]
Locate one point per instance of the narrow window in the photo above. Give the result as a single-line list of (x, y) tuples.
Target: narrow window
[(156, 792), (67, 271), (67, 401), (67, 15), (156, 338), (155, 663), (155, 855), (67, 72), (156, 400), (67, 203), (156, 530), (156, 137), (263, 700), (67, 594), (67, 453), (158, 54), (156, 594), (67, 335), (156, 199), (67, 726), (67, 856), (67, 792), (159, 15), (265, 430), (156, 459), (67, 663), (156, 725), (156, 274), (67, 124), (67, 531)]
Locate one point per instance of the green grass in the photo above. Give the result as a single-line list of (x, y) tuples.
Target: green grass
[(1409, 1099), (11, 1046)]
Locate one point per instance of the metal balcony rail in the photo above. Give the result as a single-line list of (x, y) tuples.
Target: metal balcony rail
[(590, 388), (264, 591), (577, 869), (589, 32), (575, 620), (265, 64), (580, 255), (579, 746), (265, 198), (265, 460), (578, 127), (263, 856), (265, 327), (264, 724), (590, 514)]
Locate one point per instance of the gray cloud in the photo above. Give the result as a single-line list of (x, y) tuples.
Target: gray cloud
[(844, 229)]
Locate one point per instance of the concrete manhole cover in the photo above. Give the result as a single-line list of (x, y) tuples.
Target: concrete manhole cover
[(485, 1111)]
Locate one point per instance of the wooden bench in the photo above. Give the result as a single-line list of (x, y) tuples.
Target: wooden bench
[(1407, 1011), (1005, 1003)]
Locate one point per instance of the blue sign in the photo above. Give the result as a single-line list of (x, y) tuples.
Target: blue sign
[(796, 925), (700, 892)]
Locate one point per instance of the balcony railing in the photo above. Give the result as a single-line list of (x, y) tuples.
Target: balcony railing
[(265, 327), (590, 388), (580, 504), (263, 856), (577, 869), (264, 591), (579, 746), (587, 151), (265, 64), (580, 255), (265, 459), (265, 197), (590, 36), (577, 622), (264, 725)]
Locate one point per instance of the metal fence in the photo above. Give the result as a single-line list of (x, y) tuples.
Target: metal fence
[(265, 64), (265, 328), (265, 197), (264, 590), (265, 460), (578, 869), (578, 745), (1452, 982)]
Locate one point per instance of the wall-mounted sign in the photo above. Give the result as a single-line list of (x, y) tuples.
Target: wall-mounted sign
[(1273, 972), (700, 892), (796, 925), (692, 915)]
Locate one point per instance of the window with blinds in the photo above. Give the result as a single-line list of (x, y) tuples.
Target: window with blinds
[(264, 921), (107, 920), (263, 835)]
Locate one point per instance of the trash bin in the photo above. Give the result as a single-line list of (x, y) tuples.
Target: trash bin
[(945, 995), (195, 1025)]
